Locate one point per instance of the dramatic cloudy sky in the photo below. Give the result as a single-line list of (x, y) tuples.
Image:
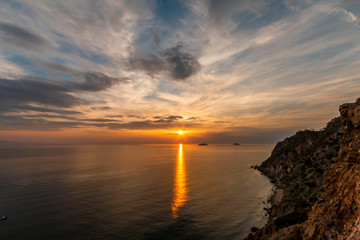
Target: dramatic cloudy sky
[(117, 71)]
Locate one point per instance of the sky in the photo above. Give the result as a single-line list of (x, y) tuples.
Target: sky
[(137, 71)]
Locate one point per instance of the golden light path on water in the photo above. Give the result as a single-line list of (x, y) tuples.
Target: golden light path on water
[(180, 188)]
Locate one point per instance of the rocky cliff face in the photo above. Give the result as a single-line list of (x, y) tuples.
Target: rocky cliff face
[(337, 213), (320, 174)]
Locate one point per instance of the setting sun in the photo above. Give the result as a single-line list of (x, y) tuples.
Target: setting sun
[(180, 132)]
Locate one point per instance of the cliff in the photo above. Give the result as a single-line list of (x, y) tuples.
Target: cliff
[(319, 173), (337, 213)]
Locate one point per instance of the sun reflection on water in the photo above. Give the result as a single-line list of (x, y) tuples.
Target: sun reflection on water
[(180, 188)]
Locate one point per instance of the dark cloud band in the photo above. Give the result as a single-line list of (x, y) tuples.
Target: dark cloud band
[(23, 94), (22, 37)]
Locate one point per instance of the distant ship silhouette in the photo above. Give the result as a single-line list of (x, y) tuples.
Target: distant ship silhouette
[(203, 144), (236, 144)]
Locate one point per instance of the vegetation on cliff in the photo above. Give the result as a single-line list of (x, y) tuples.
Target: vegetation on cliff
[(319, 172)]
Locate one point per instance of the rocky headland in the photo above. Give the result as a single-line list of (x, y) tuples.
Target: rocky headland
[(317, 179)]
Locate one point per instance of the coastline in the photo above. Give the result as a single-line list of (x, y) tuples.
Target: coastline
[(315, 173), (297, 167)]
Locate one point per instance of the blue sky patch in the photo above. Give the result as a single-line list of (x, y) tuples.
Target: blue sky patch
[(170, 12)]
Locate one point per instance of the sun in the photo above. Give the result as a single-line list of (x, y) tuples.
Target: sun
[(180, 132)]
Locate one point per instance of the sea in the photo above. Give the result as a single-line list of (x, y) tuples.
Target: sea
[(173, 191)]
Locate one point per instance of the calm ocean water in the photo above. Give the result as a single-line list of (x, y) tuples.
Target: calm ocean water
[(132, 191)]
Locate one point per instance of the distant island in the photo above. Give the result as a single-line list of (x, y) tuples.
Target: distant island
[(316, 174), (203, 144)]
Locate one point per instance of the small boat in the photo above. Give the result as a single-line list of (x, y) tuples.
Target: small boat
[(3, 218), (236, 144), (203, 144)]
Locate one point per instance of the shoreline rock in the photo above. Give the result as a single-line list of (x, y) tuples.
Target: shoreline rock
[(277, 196)]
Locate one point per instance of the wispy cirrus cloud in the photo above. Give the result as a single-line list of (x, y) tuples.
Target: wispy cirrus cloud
[(229, 63)]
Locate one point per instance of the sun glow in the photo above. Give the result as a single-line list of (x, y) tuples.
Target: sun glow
[(180, 132)]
